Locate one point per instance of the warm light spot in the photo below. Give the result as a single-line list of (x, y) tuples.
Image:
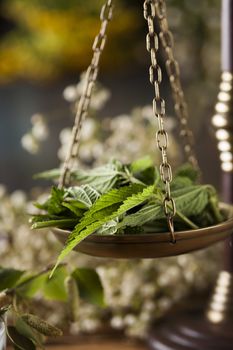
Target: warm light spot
[(224, 86), (227, 76), (220, 298), (224, 96), (224, 146), (224, 278), (215, 306), (227, 166), (226, 156), (215, 316), (222, 134), (219, 121), (221, 107)]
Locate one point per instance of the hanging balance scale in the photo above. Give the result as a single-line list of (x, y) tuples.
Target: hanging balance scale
[(145, 245)]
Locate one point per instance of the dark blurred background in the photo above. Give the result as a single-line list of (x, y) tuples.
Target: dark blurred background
[(45, 45)]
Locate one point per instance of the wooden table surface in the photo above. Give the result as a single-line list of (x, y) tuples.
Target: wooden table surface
[(100, 344), (103, 345)]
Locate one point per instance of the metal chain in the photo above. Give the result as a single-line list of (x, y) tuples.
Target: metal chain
[(155, 73), (84, 102), (173, 71)]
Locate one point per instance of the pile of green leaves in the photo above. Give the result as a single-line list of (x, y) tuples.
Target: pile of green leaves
[(18, 288), (119, 199)]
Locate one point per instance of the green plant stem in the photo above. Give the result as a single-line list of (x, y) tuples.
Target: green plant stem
[(52, 223), (186, 220), (215, 209), (47, 269)]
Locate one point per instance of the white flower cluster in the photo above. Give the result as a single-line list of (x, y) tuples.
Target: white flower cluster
[(100, 96), (114, 137), (39, 132), (20, 247), (141, 290)]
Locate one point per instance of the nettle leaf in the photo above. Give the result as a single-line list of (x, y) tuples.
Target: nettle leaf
[(189, 201), (137, 199), (141, 164), (192, 200), (54, 287), (107, 204), (85, 194), (180, 182), (89, 285), (52, 174), (187, 170), (110, 228), (54, 203), (144, 170), (134, 195), (146, 214), (20, 342), (31, 285), (9, 277), (74, 207), (102, 178)]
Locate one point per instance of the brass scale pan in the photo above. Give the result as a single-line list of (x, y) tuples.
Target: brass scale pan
[(151, 245)]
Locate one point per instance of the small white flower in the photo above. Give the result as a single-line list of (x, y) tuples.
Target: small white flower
[(65, 135), (37, 118), (30, 144), (164, 303), (75, 328), (145, 316), (70, 93), (90, 324), (98, 150), (40, 131), (99, 99), (85, 153), (147, 112), (88, 129), (18, 199), (130, 319), (148, 289), (117, 322), (149, 306)]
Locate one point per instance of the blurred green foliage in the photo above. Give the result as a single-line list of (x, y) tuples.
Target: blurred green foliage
[(54, 37)]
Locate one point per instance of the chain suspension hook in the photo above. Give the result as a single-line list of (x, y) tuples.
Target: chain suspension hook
[(151, 10), (84, 102), (173, 71)]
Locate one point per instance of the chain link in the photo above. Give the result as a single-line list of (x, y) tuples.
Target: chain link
[(151, 10), (173, 71), (84, 102)]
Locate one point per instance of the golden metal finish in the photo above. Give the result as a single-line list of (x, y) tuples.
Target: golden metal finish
[(222, 121), (220, 307), (173, 71), (84, 102), (151, 245), (150, 8)]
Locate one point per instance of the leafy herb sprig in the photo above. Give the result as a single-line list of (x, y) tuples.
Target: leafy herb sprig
[(19, 288), (119, 199)]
